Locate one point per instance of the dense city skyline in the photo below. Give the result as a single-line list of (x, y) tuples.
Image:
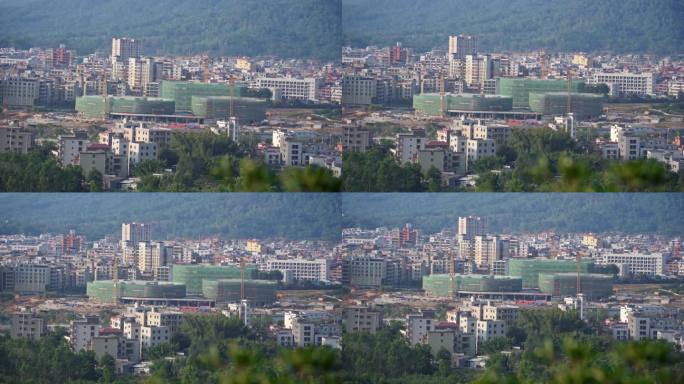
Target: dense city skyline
[(342, 191)]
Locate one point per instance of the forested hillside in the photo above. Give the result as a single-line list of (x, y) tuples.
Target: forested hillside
[(322, 216), (287, 28), (653, 26), (628, 213), (174, 215)]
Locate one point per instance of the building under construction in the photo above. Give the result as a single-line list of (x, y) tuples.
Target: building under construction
[(258, 292), (594, 286), (519, 89), (192, 275), (247, 109), (530, 269), (441, 285), (584, 106), (108, 291), (431, 104), (94, 107), (182, 92)]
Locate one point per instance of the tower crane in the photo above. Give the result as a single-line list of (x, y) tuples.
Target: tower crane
[(570, 119), (452, 276), (205, 68), (233, 127), (442, 94), (543, 70)]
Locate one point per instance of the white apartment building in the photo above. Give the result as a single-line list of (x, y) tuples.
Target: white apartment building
[(409, 144), (498, 133), (125, 48), (70, 147), (83, 331), (639, 327), (486, 329), (625, 83), (310, 328), (158, 135), (471, 226), (135, 233), (477, 70), (488, 250), (151, 255), (418, 326), (651, 264), (292, 152), (290, 88), (151, 336), (138, 152), (301, 269), (279, 136), (170, 319), (478, 149), (506, 313), (462, 45)]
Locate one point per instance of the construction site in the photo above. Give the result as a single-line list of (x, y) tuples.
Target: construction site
[(593, 286), (258, 292)]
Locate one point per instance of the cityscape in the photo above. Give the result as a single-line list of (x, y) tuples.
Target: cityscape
[(452, 119), (342, 191), (461, 297)]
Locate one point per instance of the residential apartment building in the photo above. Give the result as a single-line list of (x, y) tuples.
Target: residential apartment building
[(418, 326), (364, 272), (70, 147), (19, 92), (361, 319), (358, 90), (409, 144), (627, 84), (26, 324), (637, 263), (83, 331), (15, 140), (301, 269), (290, 88)]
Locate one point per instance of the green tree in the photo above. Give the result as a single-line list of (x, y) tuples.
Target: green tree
[(148, 167), (95, 181), (108, 366)]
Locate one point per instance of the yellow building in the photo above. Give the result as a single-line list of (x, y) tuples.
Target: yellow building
[(581, 60), (243, 64), (590, 241), (253, 246)]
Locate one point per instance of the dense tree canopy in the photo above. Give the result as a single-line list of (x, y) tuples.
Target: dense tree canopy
[(377, 170), (543, 160), (292, 216), (210, 163), (38, 171)]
